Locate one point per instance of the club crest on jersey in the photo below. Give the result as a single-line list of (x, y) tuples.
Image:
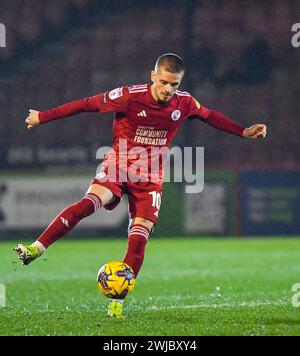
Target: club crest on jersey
[(116, 93), (175, 116)]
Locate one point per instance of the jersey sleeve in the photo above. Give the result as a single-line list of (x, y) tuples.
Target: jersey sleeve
[(110, 101), (116, 100), (214, 118), (89, 104), (196, 110)]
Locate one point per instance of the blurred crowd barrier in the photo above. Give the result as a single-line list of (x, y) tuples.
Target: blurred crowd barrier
[(247, 204)]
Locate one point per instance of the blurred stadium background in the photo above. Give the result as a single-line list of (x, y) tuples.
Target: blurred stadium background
[(240, 61)]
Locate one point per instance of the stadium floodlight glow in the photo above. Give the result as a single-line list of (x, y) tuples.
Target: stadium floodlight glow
[(2, 296), (2, 35)]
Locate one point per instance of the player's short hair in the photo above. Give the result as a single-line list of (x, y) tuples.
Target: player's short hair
[(171, 62)]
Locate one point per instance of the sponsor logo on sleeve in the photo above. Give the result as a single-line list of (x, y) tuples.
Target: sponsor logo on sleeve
[(116, 93), (198, 105)]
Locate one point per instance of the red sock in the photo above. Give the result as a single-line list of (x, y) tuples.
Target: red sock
[(68, 218), (137, 239)]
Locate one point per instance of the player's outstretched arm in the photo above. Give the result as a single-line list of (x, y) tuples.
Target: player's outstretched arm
[(32, 119), (255, 131), (74, 107), (224, 123), (112, 101)]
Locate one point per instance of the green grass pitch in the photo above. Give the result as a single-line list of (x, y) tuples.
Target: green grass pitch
[(186, 287)]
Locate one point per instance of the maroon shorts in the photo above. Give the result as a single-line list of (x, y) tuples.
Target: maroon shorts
[(144, 198)]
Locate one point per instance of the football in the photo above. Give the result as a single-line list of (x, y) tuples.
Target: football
[(116, 280)]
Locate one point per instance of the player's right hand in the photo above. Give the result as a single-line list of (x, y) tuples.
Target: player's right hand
[(32, 119)]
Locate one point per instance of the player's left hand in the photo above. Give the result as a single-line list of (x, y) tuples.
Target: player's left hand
[(255, 131)]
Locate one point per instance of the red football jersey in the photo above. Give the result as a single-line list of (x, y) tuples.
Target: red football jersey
[(145, 127)]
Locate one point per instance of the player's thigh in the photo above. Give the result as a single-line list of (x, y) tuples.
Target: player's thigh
[(102, 192)]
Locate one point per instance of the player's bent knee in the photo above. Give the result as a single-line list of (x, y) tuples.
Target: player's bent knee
[(103, 193)]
